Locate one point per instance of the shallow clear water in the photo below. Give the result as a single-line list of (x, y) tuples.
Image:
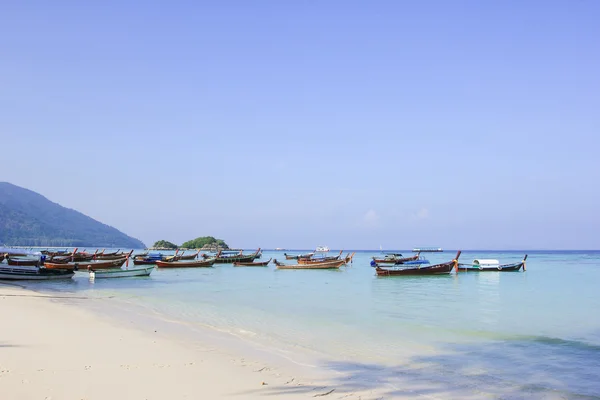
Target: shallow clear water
[(533, 334)]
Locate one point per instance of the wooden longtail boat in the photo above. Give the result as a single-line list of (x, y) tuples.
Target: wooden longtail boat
[(292, 257), (23, 261), (120, 273), (99, 264), (189, 256), (349, 257), (223, 259), (319, 259), (112, 257), (55, 253), (186, 264), (33, 273), (335, 264), (492, 265), (443, 268), (152, 258), (395, 258), (252, 264), (114, 253)]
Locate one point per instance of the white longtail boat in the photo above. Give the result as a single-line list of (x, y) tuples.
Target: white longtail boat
[(120, 273)]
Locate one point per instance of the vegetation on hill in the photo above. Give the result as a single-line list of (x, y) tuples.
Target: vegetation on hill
[(164, 244), (29, 219), (200, 242)]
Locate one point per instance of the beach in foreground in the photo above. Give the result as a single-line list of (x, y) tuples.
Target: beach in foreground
[(52, 349)]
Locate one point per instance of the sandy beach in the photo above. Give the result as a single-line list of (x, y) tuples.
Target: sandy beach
[(51, 348)]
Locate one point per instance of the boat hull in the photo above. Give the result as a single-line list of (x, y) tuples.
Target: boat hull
[(438, 269), (252, 264), (23, 263), (37, 274), (434, 270), (500, 268), (326, 265), (84, 265), (186, 264), (124, 273)]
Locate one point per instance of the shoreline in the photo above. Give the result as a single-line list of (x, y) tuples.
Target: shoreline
[(68, 346)]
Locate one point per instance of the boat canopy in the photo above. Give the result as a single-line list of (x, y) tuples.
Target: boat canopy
[(483, 262)]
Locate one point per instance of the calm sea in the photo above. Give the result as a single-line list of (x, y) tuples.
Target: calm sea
[(533, 334)]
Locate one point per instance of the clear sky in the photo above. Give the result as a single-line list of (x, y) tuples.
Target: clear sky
[(353, 124)]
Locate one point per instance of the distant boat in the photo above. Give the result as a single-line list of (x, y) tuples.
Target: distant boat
[(427, 250), (238, 257), (297, 256), (322, 249)]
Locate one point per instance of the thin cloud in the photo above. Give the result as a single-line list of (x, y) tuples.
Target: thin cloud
[(423, 213), (371, 218)]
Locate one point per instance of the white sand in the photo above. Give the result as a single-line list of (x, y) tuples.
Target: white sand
[(52, 350)]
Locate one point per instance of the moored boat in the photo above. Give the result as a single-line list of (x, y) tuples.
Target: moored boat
[(120, 273), (252, 264), (33, 273), (487, 265), (335, 264), (238, 257), (443, 268), (23, 261), (297, 256), (186, 264), (97, 264), (183, 256), (315, 260), (395, 258)]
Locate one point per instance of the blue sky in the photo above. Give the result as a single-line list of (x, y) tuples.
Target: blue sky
[(462, 124)]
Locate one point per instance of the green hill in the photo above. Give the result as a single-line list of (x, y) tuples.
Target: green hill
[(30, 219)]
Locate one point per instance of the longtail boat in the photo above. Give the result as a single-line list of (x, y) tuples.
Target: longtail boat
[(186, 264), (349, 257), (112, 256), (492, 265), (120, 273), (99, 264), (297, 256), (33, 273), (239, 257), (23, 261), (315, 260), (437, 269), (395, 258), (252, 264), (335, 264), (188, 256), (114, 253), (152, 258)]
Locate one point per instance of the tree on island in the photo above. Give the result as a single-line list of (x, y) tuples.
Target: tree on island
[(163, 244), (200, 242)]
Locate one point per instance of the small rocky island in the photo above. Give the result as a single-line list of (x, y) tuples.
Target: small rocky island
[(204, 243)]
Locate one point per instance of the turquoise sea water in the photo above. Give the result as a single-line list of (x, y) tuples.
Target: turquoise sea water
[(533, 334)]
